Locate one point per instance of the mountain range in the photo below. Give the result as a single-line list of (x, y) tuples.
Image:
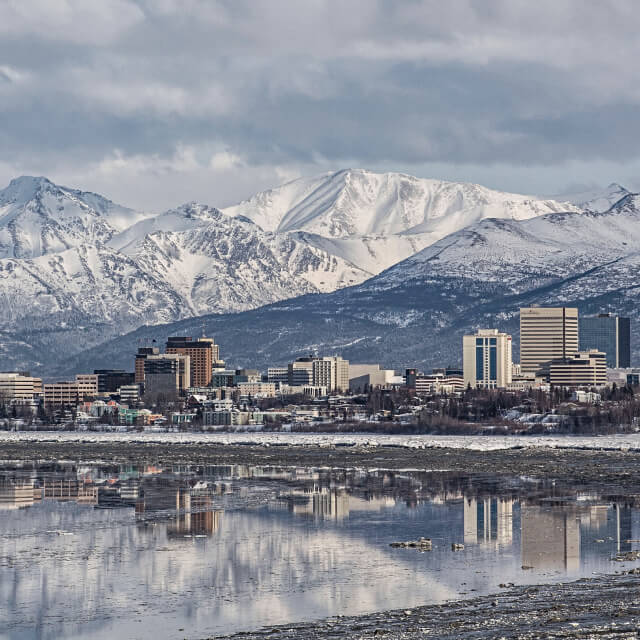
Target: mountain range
[(381, 267)]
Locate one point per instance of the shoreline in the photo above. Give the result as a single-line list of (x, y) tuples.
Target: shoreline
[(615, 471)]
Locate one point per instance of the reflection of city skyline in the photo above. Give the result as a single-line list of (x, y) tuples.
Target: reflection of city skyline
[(553, 532), (288, 539)]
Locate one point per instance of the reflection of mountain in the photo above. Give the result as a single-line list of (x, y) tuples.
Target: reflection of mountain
[(550, 538), (256, 570)]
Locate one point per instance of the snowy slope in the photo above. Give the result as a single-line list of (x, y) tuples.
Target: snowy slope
[(38, 217), (377, 219), (595, 200), (218, 265)]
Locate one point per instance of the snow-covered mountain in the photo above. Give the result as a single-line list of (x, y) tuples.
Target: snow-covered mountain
[(38, 217), (217, 264), (375, 220), (77, 269), (416, 312), (595, 200)]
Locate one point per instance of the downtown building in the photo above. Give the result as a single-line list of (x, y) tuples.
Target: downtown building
[(142, 354), (203, 353), (330, 372), (84, 387), (166, 374), (582, 369), (610, 334), (486, 358), (19, 386), (440, 380), (546, 334)]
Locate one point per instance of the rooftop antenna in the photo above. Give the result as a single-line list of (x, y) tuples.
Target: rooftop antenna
[(203, 333)]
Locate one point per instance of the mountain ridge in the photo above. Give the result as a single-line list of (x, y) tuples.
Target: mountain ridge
[(101, 281), (415, 313)]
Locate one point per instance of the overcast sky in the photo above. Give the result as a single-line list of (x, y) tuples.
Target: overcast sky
[(153, 103)]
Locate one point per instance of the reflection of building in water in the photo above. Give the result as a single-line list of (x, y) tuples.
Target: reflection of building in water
[(550, 538), (16, 496), (488, 519), (595, 517), (194, 514), (130, 490), (70, 490), (624, 526), (323, 502)]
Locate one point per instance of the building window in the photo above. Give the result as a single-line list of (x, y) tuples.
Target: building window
[(493, 364), (479, 363)]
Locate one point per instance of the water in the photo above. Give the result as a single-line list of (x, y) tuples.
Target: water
[(104, 551)]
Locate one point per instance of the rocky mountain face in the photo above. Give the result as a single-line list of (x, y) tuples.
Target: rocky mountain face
[(416, 312), (76, 270)]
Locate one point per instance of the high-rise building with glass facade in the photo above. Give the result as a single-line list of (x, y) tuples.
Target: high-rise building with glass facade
[(608, 333), (486, 357)]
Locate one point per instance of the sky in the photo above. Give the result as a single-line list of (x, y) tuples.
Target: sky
[(154, 103)]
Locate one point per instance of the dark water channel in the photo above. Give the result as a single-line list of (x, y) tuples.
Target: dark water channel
[(105, 551)]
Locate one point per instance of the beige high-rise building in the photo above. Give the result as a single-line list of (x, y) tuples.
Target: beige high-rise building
[(546, 334), (486, 359), (331, 372)]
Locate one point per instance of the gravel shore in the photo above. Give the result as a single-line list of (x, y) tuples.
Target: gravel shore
[(605, 607)]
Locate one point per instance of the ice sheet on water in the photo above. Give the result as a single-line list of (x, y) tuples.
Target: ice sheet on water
[(621, 442)]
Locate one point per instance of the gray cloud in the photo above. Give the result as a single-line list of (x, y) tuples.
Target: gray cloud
[(156, 102)]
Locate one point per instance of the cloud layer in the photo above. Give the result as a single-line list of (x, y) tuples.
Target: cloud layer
[(155, 102)]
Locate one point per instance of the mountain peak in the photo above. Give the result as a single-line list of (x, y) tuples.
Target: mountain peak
[(24, 188)]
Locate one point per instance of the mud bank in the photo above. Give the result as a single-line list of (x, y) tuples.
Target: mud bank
[(615, 471)]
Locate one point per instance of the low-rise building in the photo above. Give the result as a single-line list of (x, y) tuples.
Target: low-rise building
[(256, 390), (278, 375), (233, 417), (446, 380), (19, 386), (84, 387), (129, 393), (584, 369), (362, 376), (110, 380)]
